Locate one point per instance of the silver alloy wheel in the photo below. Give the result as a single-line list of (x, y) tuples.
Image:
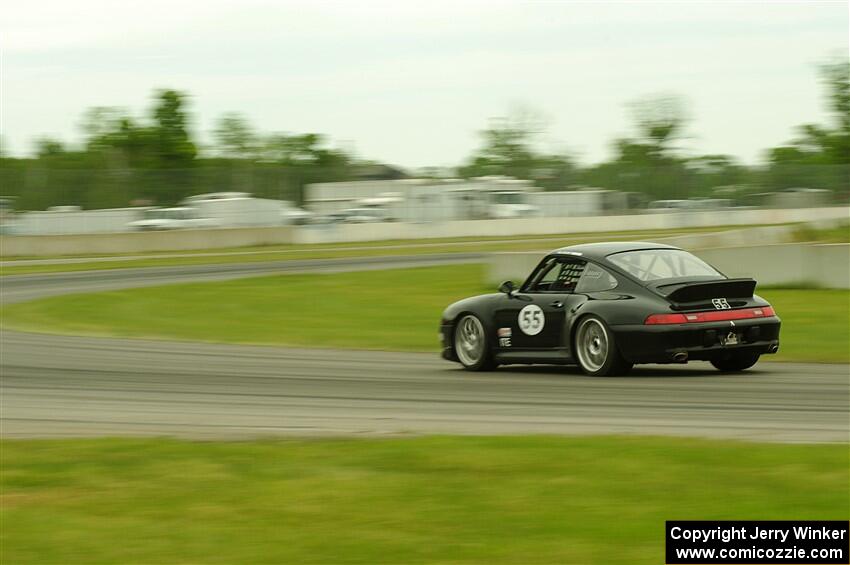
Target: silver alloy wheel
[(592, 344), (469, 340)]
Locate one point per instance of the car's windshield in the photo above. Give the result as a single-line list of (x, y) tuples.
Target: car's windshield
[(659, 264)]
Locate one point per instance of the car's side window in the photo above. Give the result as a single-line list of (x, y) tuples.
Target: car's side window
[(548, 275), (542, 275), (595, 279), (557, 275), (569, 276)]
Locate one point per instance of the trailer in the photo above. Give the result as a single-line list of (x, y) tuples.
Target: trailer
[(582, 202), (240, 211), (428, 200), (494, 198), (215, 210)]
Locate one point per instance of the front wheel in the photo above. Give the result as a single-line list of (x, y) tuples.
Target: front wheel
[(596, 349), (735, 362), (472, 346)]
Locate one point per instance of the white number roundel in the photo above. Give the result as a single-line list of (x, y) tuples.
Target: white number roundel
[(531, 319)]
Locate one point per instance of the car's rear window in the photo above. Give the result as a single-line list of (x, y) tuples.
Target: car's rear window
[(659, 264)]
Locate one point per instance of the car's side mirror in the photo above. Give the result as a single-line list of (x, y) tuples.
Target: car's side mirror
[(507, 287)]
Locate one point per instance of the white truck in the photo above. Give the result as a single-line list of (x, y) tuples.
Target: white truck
[(293, 215), (222, 210), (180, 217), (472, 202), (238, 211), (511, 204)]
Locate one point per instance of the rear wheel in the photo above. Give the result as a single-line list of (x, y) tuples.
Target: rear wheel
[(735, 361), (472, 345), (596, 349)]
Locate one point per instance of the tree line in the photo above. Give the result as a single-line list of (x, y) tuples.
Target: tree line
[(652, 163), (126, 160)]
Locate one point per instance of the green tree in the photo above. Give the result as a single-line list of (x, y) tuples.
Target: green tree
[(660, 122), (235, 138), (835, 142), (117, 140), (649, 162), (48, 147), (170, 177), (170, 129), (510, 148), (819, 157), (721, 176), (836, 76), (304, 159)]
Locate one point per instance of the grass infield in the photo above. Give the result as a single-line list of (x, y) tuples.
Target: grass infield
[(389, 310), (421, 500)]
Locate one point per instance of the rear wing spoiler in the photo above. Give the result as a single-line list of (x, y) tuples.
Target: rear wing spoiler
[(728, 288)]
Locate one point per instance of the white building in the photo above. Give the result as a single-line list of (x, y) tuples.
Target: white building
[(73, 219), (424, 200), (584, 202), (220, 210)]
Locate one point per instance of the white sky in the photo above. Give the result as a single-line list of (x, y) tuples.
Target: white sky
[(410, 82)]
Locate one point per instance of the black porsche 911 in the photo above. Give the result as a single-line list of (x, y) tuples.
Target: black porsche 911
[(608, 306)]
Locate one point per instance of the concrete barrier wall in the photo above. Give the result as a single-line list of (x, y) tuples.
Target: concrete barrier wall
[(178, 240), (142, 242), (791, 264), (825, 265), (540, 226), (736, 237), (511, 266)]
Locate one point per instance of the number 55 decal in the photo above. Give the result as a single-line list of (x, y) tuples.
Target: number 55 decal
[(531, 319)]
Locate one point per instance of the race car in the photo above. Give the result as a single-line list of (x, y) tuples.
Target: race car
[(609, 306)]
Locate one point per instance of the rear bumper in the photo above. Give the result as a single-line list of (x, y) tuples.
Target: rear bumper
[(662, 343)]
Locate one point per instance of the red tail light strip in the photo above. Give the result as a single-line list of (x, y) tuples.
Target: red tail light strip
[(714, 316)]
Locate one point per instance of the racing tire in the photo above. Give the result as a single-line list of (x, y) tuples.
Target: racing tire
[(596, 350), (735, 362), (472, 345)]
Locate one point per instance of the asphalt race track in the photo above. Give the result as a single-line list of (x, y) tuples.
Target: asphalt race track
[(58, 386)]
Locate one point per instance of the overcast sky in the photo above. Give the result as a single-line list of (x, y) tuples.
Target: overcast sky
[(411, 82)]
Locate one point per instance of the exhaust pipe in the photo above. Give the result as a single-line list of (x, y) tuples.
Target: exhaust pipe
[(680, 357), (774, 347)]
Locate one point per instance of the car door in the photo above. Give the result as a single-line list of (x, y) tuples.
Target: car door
[(534, 317)]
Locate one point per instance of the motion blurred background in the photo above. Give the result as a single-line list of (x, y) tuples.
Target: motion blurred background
[(669, 106), (376, 161)]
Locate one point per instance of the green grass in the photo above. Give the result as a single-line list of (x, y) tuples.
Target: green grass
[(294, 254), (336, 250), (815, 324), (423, 500), (838, 232), (390, 310)]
